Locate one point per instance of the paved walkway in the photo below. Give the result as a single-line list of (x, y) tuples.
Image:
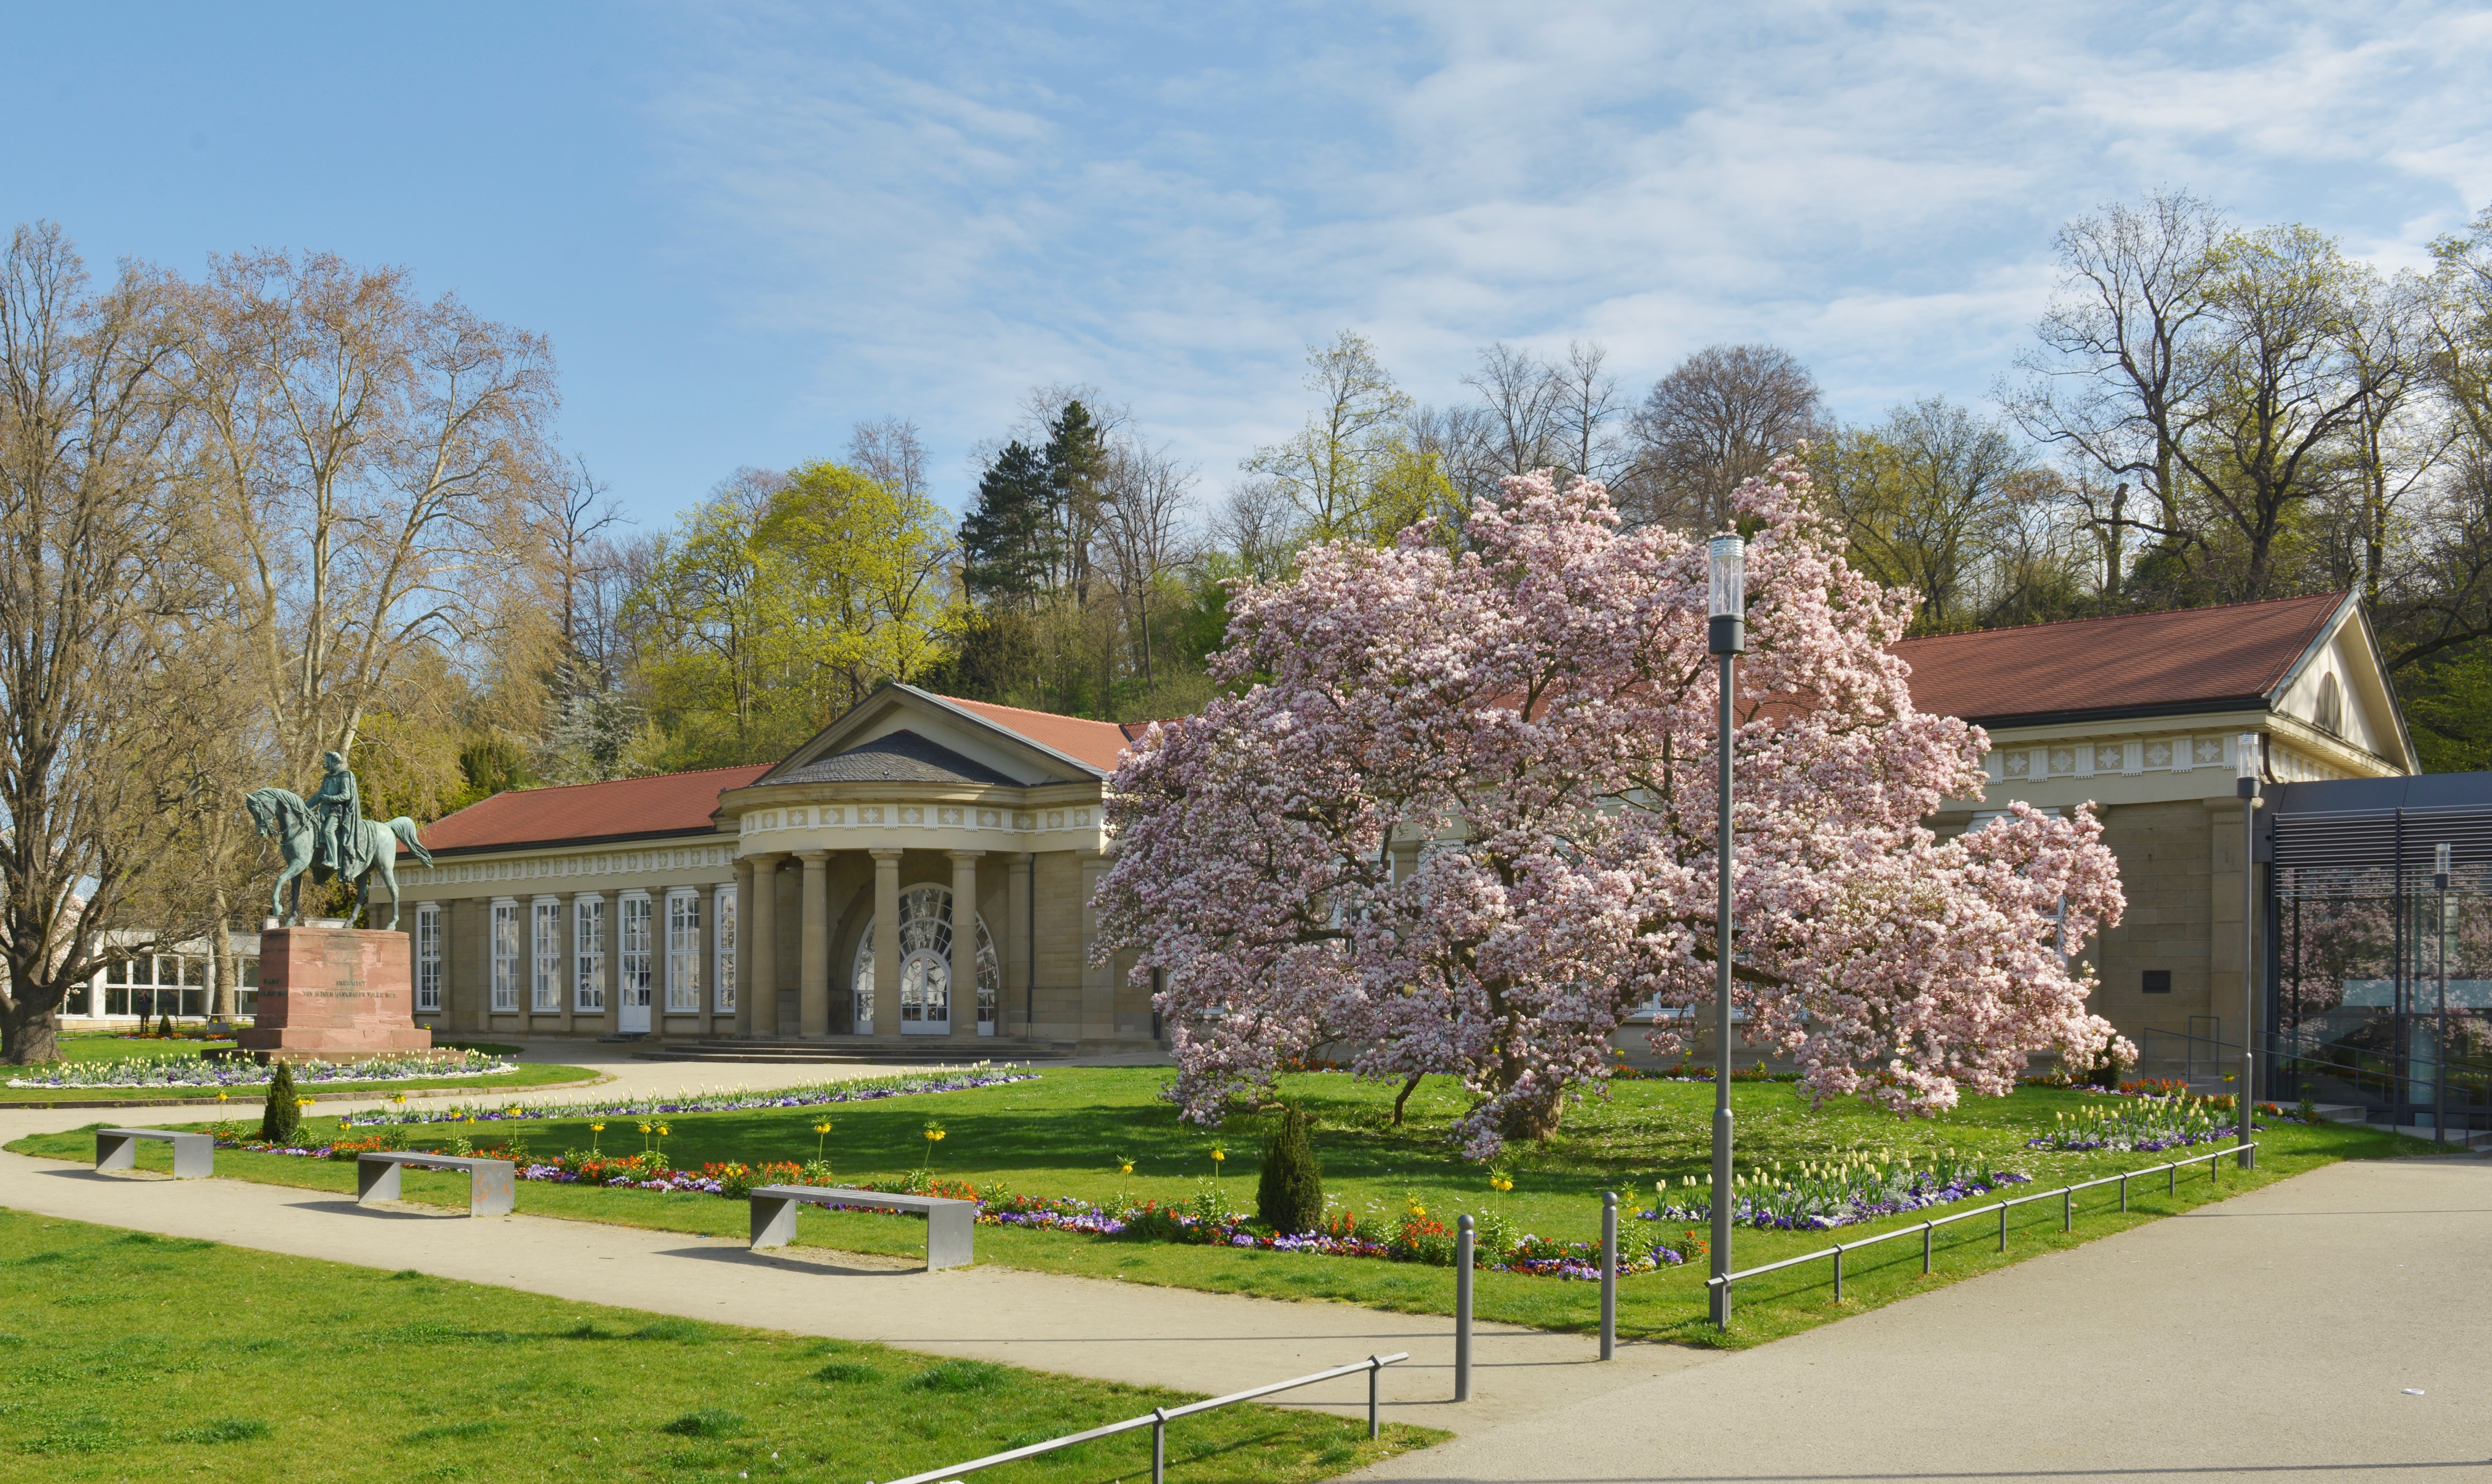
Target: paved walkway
[(2278, 1332), (2275, 1334)]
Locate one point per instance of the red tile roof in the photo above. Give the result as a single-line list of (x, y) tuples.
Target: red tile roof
[(667, 804), (2139, 663), (1100, 744)]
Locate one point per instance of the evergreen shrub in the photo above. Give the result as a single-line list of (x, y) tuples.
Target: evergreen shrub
[(281, 1117), (1290, 1197)]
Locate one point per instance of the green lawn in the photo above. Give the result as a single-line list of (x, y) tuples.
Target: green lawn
[(129, 1356), (1064, 1133)]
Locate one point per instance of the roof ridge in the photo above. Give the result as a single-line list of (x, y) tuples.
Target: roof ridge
[(2334, 598), (608, 782), (1053, 716)]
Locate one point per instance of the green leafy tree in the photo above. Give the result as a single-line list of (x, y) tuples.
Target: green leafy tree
[(1336, 469)]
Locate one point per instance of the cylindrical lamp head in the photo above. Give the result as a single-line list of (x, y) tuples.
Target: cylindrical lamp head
[(2440, 867), (2245, 753), (1726, 598)]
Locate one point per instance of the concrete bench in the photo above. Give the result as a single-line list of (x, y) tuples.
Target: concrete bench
[(490, 1181), (950, 1225), (194, 1155)]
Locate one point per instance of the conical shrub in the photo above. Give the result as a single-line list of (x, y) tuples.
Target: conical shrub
[(280, 1120), (1290, 1197)]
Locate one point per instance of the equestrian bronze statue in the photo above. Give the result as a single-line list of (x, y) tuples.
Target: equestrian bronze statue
[(328, 836)]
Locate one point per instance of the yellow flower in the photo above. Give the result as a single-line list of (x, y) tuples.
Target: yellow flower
[(822, 1127), (597, 1128), (302, 1102), (644, 1128), (664, 1131)]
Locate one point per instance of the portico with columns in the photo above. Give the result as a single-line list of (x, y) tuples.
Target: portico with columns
[(922, 868)]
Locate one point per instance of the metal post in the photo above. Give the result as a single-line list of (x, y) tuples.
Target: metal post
[(1463, 1310), (2002, 1226), (1159, 1445), (1926, 1228), (2124, 1193), (1726, 603), (1609, 1274), (1838, 1272), (1723, 929), (1375, 1370), (2440, 1027), (2067, 1211), (2248, 1095), (2172, 1179)]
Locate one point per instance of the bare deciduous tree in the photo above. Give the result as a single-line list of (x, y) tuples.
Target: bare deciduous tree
[(376, 462), (94, 707), (1722, 415)]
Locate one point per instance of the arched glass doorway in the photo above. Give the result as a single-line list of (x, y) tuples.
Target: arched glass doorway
[(926, 967)]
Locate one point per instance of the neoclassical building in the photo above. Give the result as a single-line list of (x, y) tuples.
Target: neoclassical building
[(818, 899), (815, 898)]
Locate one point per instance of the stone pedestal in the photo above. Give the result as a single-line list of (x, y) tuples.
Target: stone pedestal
[(334, 995)]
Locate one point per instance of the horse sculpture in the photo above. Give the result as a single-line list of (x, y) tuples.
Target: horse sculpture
[(281, 816)]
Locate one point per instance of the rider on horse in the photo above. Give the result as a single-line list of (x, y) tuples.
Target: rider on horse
[(340, 848)]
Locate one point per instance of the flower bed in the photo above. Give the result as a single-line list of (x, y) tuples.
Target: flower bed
[(861, 1089), (241, 1071), (1818, 1196), (2140, 1125)]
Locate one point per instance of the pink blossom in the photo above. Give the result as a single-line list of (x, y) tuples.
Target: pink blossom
[(1460, 815)]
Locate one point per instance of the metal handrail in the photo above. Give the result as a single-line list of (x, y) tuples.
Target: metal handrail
[(1158, 1418), (2068, 1195)]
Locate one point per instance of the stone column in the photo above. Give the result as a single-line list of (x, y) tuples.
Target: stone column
[(1018, 966), (743, 945), (813, 974), (761, 981), (1099, 981), (964, 943), (566, 992), (886, 943)]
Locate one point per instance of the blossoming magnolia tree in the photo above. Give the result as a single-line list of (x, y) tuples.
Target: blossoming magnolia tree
[(1464, 823)]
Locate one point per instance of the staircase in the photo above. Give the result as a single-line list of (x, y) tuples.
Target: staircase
[(858, 1051)]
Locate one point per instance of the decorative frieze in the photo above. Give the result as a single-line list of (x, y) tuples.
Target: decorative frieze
[(586, 863)]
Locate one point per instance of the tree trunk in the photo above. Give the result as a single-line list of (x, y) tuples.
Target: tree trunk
[(1409, 1087), (29, 1035), (1535, 1120)]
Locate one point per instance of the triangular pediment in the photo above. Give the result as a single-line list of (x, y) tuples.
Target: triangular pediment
[(920, 738), (2340, 685)]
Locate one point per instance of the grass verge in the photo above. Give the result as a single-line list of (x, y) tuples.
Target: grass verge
[(122, 1362), (1066, 1134)]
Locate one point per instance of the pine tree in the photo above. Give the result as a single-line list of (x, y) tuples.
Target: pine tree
[(280, 1120), (1007, 546), (1290, 1197)]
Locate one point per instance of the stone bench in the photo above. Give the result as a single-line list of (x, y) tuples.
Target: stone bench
[(490, 1182), (950, 1225), (194, 1155)]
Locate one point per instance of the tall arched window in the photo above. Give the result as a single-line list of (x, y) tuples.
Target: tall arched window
[(2330, 713), (926, 967)]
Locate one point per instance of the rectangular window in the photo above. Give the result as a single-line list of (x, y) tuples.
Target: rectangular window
[(634, 979), (588, 952), (545, 949), (683, 952), (506, 955), (246, 993), (2158, 981), (427, 956), (723, 923)]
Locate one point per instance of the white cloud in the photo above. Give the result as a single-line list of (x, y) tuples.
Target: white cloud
[(943, 213)]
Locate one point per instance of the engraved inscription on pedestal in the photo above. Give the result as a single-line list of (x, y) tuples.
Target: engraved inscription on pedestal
[(334, 995)]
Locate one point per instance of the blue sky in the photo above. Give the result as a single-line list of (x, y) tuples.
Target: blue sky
[(746, 227)]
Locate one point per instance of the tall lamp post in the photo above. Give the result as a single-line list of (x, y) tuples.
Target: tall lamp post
[(2440, 1030), (2247, 786), (1726, 636)]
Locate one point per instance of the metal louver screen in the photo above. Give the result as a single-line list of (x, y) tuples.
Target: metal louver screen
[(2362, 854)]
